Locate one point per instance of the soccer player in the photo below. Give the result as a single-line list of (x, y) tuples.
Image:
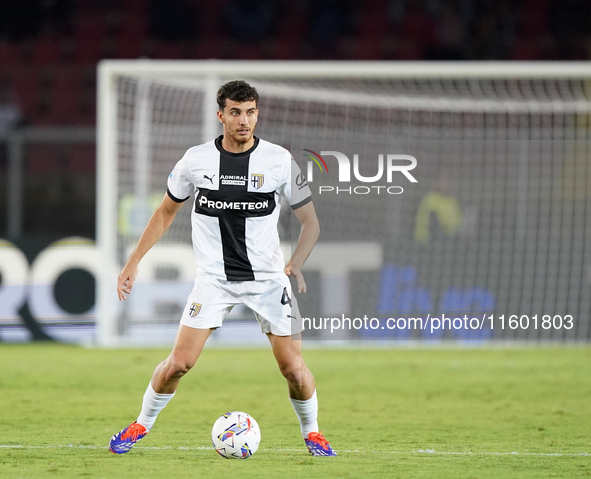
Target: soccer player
[(238, 180)]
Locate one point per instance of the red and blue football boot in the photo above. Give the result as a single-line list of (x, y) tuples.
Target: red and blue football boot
[(123, 441), (318, 445)]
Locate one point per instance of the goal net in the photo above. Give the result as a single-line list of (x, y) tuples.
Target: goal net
[(456, 191)]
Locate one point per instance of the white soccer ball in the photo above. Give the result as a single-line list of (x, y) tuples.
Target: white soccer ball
[(236, 435)]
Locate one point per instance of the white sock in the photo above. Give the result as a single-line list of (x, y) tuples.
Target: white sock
[(152, 404), (307, 413)]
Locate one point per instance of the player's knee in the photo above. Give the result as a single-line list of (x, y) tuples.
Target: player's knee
[(178, 367), (293, 372)]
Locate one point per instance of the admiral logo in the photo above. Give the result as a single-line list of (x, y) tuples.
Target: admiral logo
[(233, 205), (235, 180), (393, 164)]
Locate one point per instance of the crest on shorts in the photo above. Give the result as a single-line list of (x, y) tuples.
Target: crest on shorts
[(257, 180), (194, 309)]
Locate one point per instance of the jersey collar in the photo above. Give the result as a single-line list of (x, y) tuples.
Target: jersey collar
[(218, 145)]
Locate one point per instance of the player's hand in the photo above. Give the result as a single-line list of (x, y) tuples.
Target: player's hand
[(297, 274), (126, 280)]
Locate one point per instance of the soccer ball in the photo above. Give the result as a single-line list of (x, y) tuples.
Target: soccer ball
[(236, 435)]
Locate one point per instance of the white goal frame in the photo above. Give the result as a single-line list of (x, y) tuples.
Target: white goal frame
[(209, 71)]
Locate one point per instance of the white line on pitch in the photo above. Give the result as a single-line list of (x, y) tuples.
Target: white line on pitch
[(203, 448)]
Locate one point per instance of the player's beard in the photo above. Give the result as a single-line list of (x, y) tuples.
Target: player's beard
[(238, 138)]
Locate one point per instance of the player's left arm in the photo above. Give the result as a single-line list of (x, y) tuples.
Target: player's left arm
[(309, 232)]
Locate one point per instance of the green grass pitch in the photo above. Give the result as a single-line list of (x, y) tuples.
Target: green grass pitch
[(405, 413)]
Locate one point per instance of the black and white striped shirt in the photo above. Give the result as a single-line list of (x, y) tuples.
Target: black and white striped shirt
[(237, 205)]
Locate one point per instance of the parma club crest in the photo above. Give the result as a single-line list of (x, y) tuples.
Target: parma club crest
[(194, 309), (257, 180)]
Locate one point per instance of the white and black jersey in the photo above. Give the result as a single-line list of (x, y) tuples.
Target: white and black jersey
[(237, 205)]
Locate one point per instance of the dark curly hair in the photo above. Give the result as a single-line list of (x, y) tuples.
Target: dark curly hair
[(236, 90)]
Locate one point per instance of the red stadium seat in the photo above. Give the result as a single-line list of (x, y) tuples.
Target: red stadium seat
[(130, 41), (65, 96), (10, 53), (47, 51), (284, 50), (537, 5), (245, 51), (293, 25), (128, 49), (533, 23), (86, 110), (27, 85), (417, 27), (132, 31), (374, 26), (168, 50), (82, 158), (132, 7), (360, 49), (41, 158), (90, 27), (206, 49), (89, 51), (408, 50), (528, 49)]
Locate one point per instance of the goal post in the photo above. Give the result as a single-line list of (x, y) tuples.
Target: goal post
[(496, 226)]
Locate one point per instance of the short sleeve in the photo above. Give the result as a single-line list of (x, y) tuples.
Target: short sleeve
[(180, 181), (295, 186)]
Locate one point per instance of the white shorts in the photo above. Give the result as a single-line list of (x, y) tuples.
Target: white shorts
[(271, 300)]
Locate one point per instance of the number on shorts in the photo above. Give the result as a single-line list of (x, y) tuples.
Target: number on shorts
[(285, 299)]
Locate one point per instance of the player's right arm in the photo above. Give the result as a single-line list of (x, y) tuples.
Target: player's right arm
[(159, 222)]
